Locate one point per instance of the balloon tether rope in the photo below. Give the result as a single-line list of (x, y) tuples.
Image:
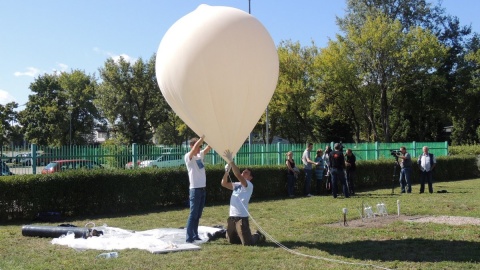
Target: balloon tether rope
[(299, 253)]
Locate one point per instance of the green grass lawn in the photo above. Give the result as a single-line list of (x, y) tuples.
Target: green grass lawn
[(300, 224)]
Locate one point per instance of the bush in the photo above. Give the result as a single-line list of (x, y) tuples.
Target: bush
[(92, 192)]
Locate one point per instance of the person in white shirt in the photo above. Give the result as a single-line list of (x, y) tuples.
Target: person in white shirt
[(238, 227), (426, 163), (198, 180)]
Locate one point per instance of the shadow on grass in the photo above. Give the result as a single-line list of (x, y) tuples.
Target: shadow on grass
[(413, 250)]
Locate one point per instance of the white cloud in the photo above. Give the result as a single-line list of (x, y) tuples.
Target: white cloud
[(125, 57), (31, 72), (5, 97), (115, 57), (63, 68)]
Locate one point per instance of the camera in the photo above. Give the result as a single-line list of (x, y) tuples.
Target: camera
[(395, 153)]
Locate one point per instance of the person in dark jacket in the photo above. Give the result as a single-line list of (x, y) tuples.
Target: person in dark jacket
[(337, 164), (351, 167)]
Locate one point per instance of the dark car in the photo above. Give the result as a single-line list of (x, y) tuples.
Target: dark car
[(6, 158), (26, 159), (42, 159), (4, 169), (72, 164)]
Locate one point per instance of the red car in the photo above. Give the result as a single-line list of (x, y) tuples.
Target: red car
[(129, 165), (73, 164)]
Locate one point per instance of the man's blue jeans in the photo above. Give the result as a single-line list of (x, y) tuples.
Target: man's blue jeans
[(308, 181), (197, 203), (338, 175), (291, 185), (405, 180)]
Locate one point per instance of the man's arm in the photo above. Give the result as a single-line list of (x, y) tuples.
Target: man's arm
[(229, 157), (207, 149), (311, 161), (196, 147), (405, 157), (225, 182)]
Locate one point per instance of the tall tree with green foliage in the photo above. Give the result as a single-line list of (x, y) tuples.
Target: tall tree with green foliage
[(61, 110), (7, 116), (363, 74), (130, 99), (441, 100), (466, 119), (289, 110)]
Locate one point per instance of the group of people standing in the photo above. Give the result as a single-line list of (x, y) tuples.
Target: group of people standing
[(340, 168), (336, 166)]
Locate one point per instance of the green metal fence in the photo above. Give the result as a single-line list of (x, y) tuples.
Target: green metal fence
[(33, 158)]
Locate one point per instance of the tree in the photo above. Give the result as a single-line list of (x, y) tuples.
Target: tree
[(61, 110), (173, 131), (363, 74), (447, 92), (7, 116), (467, 108), (130, 99), (290, 108)]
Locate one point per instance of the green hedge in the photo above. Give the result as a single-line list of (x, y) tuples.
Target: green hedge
[(96, 192)]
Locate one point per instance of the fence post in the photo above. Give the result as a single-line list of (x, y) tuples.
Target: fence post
[(250, 156), (34, 158), (134, 155), (279, 154), (376, 150), (263, 154), (414, 143), (446, 148), (214, 157)]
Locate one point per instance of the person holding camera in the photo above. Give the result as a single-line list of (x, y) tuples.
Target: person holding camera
[(426, 163), (405, 161)]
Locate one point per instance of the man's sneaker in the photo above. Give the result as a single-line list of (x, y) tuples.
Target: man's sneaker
[(261, 237), (210, 237), (216, 235), (309, 195)]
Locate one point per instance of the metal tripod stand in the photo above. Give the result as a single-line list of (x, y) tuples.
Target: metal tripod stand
[(395, 165)]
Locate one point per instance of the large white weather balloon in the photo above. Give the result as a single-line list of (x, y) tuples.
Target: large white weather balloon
[(217, 67)]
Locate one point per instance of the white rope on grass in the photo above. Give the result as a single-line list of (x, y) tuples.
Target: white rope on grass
[(299, 253)]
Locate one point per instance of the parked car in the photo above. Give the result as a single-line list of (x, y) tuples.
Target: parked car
[(164, 161), (72, 164), (6, 158), (25, 159), (43, 159), (4, 169), (129, 165)]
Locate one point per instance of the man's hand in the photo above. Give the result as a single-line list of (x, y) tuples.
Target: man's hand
[(228, 156)]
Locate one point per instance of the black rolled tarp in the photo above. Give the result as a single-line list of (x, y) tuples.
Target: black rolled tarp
[(53, 232)]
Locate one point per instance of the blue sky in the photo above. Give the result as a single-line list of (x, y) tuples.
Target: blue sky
[(38, 37)]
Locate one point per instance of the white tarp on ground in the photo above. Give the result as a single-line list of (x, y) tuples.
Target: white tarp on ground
[(160, 240)]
